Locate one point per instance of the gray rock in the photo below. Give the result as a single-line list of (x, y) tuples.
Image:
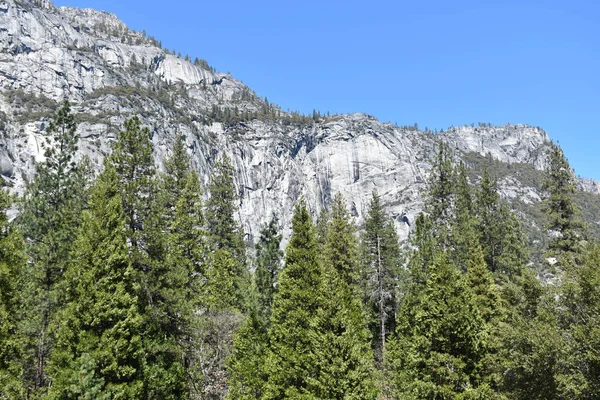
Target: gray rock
[(111, 73)]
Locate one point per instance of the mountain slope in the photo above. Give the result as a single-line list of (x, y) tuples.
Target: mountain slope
[(111, 73)]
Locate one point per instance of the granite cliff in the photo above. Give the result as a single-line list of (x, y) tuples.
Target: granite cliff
[(111, 73)]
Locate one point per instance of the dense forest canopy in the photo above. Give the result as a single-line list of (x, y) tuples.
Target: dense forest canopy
[(133, 284)]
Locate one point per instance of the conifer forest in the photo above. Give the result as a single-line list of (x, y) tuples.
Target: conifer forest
[(137, 282)]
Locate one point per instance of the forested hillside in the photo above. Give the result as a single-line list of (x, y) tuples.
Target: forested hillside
[(165, 233), (127, 284)]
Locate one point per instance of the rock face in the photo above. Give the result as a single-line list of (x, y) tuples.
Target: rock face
[(111, 73)]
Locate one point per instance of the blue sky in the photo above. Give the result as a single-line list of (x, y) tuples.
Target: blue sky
[(437, 63)]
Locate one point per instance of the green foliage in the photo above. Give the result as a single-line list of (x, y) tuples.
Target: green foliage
[(132, 161), (52, 206), (161, 280), (340, 340), (30, 106), (181, 273), (380, 270), (560, 207), (12, 261), (580, 320), (440, 193), (502, 238), (466, 251), (268, 259), (223, 229), (101, 325), (224, 232), (341, 247), (436, 349), (289, 363), (463, 322), (532, 348), (246, 364)]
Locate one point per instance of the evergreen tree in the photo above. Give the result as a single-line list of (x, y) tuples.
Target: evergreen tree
[(580, 317), (446, 343), (220, 319), (519, 361), (435, 350), (439, 200), (246, 365), (224, 233), (223, 230), (159, 280), (341, 247), (380, 272), (532, 349), (563, 213), (488, 202), (341, 352), (184, 272), (268, 259), (289, 363), (175, 178), (464, 235), (12, 261), (101, 326), (574, 367), (131, 158), (52, 206), (424, 249)]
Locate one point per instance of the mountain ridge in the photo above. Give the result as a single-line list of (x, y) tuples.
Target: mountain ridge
[(111, 73)]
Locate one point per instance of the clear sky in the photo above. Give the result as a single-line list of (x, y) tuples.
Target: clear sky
[(438, 63)]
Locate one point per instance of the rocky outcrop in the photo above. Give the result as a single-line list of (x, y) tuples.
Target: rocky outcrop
[(111, 73)]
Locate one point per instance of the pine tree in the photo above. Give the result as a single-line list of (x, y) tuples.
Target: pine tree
[(223, 229), (101, 326), (464, 235), (580, 303), (224, 233), (220, 319), (501, 236), (574, 367), (246, 364), (52, 206), (532, 349), (289, 363), (519, 361), (12, 262), (439, 200), (268, 259), (488, 201), (132, 161), (446, 343), (560, 206), (380, 272), (435, 348), (340, 348), (184, 266), (158, 294)]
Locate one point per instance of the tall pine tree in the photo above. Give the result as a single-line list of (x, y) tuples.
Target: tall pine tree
[(184, 272), (99, 347), (340, 349), (290, 365), (268, 259), (224, 232), (380, 273), (12, 262), (563, 212), (52, 206)]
